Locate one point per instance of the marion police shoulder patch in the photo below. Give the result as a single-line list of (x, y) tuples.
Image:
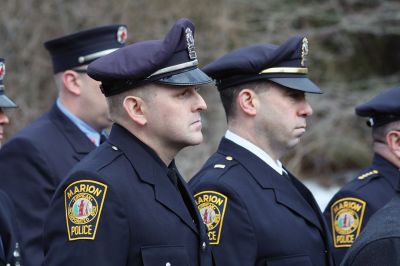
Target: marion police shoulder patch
[(83, 204), (212, 205), (347, 215)]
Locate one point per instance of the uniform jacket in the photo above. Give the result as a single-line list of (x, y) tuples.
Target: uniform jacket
[(143, 219), (9, 234), (32, 164), (379, 243), (256, 216), (371, 190)]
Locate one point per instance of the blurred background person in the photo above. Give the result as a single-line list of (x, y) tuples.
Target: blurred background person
[(9, 235), (351, 208), (5, 102), (36, 159)]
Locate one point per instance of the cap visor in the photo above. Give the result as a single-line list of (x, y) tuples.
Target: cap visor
[(301, 84), (187, 78), (6, 102)]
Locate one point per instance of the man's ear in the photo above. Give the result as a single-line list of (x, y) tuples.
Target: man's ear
[(71, 82), (134, 106), (393, 141), (248, 101)]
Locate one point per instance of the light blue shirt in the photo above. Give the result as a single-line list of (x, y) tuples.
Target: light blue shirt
[(90, 132), (276, 165)]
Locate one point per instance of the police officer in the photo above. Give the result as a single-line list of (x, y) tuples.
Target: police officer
[(9, 238), (379, 242), (257, 212), (125, 203), (37, 158), (350, 209)]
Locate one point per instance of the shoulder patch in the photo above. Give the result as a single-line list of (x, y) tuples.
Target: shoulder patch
[(212, 205), (370, 173), (346, 216), (84, 201)]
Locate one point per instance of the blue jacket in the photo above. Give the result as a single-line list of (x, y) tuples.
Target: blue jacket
[(256, 216), (9, 234), (32, 164), (118, 207), (371, 190)]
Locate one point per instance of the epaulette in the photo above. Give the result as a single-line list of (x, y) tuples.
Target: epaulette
[(217, 167), (369, 174)]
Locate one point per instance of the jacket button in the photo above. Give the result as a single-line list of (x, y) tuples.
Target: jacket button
[(168, 264), (203, 246)]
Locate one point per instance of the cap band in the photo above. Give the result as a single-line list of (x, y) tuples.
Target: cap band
[(89, 57), (297, 70)]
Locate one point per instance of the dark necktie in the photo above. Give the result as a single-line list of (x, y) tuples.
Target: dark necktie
[(173, 176), (102, 138)]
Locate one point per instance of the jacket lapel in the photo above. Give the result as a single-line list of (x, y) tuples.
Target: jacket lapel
[(152, 172), (285, 190)]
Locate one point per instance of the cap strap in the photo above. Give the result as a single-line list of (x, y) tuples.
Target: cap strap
[(85, 58), (175, 67), (301, 70)]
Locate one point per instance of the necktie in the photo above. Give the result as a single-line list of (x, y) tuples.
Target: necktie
[(173, 176), (102, 138)]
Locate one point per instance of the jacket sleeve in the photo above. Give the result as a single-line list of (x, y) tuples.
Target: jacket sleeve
[(100, 237), (379, 252), (230, 230)]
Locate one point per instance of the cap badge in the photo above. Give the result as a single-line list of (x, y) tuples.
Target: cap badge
[(2, 70), (122, 34), (304, 51), (190, 43)]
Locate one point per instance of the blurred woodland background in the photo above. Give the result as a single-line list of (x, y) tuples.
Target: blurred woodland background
[(354, 53)]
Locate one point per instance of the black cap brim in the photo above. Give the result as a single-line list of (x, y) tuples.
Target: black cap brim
[(187, 78), (6, 102), (301, 84)]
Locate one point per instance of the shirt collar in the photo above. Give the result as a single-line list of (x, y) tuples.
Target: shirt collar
[(276, 165), (90, 132)]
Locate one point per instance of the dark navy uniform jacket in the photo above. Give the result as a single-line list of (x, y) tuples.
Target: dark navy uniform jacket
[(143, 219), (372, 189), (379, 243), (9, 234), (268, 219), (32, 164)]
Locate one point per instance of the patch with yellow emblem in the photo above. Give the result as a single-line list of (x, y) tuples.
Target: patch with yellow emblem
[(212, 207), (347, 215), (84, 201)]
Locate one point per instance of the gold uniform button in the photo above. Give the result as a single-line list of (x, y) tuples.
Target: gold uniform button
[(229, 158)]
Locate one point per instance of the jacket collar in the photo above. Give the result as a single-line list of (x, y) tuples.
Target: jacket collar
[(151, 170), (289, 192)]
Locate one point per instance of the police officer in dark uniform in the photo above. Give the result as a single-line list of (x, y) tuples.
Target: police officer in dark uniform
[(379, 242), (125, 203), (256, 211), (35, 160), (9, 238), (350, 209)]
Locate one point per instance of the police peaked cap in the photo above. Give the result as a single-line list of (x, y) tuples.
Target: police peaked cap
[(5, 102), (284, 64), (172, 61), (382, 109), (83, 47)]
